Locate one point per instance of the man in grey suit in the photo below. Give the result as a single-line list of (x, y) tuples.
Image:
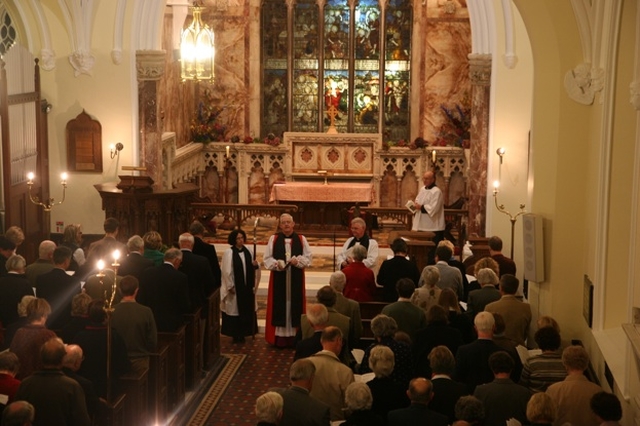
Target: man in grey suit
[(300, 409), (450, 277)]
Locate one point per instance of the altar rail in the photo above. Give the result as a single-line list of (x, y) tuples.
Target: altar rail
[(237, 214)]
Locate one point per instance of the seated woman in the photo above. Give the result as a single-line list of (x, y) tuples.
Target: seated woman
[(427, 295), (29, 339), (358, 400), (387, 394), (361, 283)]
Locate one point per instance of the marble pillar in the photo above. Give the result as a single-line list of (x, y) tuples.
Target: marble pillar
[(150, 67), (480, 74)]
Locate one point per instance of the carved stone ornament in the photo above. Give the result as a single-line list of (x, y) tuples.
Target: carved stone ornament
[(480, 69), (82, 62), (116, 56), (48, 59), (150, 64), (582, 83)]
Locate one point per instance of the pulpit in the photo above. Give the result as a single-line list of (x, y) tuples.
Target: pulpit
[(164, 211)]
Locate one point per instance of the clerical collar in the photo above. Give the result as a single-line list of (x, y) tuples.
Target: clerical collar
[(430, 186)]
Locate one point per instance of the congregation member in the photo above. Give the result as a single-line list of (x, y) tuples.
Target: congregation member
[(153, 247), (541, 371), (455, 263), (361, 283), (408, 317), (359, 400), (391, 270), (93, 341), (384, 329), (457, 319), (134, 263), (15, 234), (499, 337), (428, 294), (359, 238), (607, 408), (13, 287), (541, 410), (18, 413), (57, 399), (420, 393), (100, 284), (485, 262), (479, 299), (318, 316), (472, 359), (300, 408), (506, 265), (438, 332), (7, 249), (287, 255), (446, 391), (503, 399), (44, 262), (387, 395), (72, 238), (199, 274), (574, 393), (240, 281), (11, 330), (201, 248), (450, 277), (269, 408), (79, 317), (469, 411), (9, 367), (346, 306), (429, 204), (331, 376), (109, 242), (516, 313), (327, 297), (71, 363), (135, 324), (27, 341), (58, 288), (165, 290)]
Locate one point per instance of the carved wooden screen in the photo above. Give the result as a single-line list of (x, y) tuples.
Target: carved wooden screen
[(352, 56)]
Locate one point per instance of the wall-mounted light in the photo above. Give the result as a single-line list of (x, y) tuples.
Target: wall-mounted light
[(114, 150), (46, 106), (500, 151), (197, 49)]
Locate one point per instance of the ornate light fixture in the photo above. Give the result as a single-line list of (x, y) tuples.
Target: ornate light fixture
[(197, 49)]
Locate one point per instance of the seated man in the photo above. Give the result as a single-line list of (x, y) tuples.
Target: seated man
[(408, 316), (360, 237)]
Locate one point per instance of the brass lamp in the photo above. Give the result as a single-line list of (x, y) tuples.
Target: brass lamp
[(197, 49)]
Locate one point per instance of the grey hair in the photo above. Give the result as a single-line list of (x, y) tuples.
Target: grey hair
[(317, 313), (18, 413), (486, 276), (484, 321), (135, 243), (15, 263), (382, 361), (337, 281), (383, 326), (430, 276), (46, 248), (302, 369), (269, 407), (358, 397), (186, 237), (172, 254), (359, 253)]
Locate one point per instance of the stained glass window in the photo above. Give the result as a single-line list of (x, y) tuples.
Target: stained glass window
[(346, 65), (8, 32)]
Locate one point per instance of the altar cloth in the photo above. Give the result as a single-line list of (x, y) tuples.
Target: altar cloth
[(318, 192)]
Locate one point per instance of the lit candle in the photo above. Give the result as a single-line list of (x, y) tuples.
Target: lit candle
[(116, 255), (433, 156), (112, 147), (63, 176), (30, 177), (496, 185), (227, 148), (100, 265)]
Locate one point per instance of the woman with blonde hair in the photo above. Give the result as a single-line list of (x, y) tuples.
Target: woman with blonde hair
[(30, 338), (387, 394), (427, 295), (153, 247), (72, 238), (541, 410)]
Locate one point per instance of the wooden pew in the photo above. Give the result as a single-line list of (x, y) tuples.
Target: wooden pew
[(136, 387), (176, 361), (111, 413), (212, 332), (368, 311), (193, 349), (158, 383)]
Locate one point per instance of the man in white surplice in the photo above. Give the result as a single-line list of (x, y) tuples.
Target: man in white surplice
[(430, 208)]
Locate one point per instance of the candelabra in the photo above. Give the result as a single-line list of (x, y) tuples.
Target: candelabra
[(500, 207), (50, 203), (108, 308)]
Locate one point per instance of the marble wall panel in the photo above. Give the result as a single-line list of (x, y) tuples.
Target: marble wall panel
[(447, 9)]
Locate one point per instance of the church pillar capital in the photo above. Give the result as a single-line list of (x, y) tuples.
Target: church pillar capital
[(480, 69), (150, 64)]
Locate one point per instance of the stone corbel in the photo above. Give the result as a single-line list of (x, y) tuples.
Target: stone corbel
[(583, 82), (82, 62), (150, 64), (48, 59)]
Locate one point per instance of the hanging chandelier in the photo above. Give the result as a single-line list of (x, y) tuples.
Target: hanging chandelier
[(197, 50)]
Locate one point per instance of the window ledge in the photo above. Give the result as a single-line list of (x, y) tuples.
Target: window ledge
[(613, 344)]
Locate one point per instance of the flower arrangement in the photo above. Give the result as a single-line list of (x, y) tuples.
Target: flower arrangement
[(205, 127), (272, 140), (456, 129), (418, 143)]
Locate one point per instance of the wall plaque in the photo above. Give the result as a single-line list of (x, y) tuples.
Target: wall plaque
[(84, 144)]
